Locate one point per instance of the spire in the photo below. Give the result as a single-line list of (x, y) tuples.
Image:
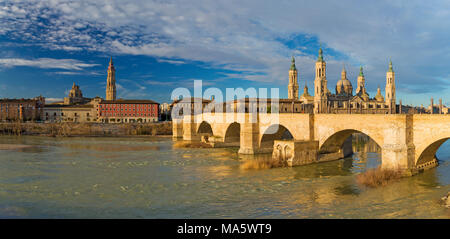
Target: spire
[(293, 64), (111, 64), (344, 72), (390, 66), (320, 58), (305, 91), (361, 71)]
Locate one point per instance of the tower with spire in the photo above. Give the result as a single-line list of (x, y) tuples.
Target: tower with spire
[(320, 85), (111, 82), (293, 81), (390, 89), (361, 81)]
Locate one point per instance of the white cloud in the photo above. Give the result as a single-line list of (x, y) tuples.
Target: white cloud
[(175, 62), (76, 73), (51, 100), (46, 63)]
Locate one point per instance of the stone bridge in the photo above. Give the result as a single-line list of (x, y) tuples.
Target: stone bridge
[(407, 141)]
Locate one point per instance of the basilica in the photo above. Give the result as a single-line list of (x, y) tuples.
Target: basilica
[(343, 100)]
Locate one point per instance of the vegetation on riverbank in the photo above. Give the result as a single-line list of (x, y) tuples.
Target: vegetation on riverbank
[(378, 177), (252, 164), (67, 129)]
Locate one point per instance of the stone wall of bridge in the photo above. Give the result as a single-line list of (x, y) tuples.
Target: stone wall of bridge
[(406, 141), (430, 132)]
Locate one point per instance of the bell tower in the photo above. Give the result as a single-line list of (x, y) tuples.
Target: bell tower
[(390, 89), (320, 85), (111, 82), (361, 81), (293, 81)]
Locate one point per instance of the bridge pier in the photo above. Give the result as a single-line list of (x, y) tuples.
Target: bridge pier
[(302, 152), (177, 129), (398, 157), (296, 152), (249, 138), (190, 129)]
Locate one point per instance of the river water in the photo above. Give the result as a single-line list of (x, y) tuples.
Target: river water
[(148, 178)]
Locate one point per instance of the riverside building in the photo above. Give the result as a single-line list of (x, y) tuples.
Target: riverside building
[(22, 109), (128, 111), (77, 108)]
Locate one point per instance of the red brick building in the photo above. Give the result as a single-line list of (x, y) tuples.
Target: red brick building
[(128, 111)]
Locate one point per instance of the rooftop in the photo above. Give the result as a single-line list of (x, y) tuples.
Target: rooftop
[(68, 106), (123, 101)]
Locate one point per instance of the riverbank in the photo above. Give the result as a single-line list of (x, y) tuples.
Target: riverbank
[(68, 129)]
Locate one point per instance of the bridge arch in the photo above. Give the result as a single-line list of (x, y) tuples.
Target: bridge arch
[(335, 142), (428, 154), (205, 129), (233, 133), (272, 133)]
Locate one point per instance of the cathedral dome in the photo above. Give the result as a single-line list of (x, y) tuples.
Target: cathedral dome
[(344, 86), (344, 83)]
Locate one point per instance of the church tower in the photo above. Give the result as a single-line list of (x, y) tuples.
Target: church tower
[(320, 85), (111, 82), (390, 89), (361, 82), (293, 83)]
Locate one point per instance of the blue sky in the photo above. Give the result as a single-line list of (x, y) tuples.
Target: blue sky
[(160, 45)]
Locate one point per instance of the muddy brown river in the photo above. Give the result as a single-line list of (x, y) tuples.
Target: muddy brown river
[(96, 177)]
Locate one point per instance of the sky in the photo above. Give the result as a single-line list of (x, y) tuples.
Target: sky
[(158, 46)]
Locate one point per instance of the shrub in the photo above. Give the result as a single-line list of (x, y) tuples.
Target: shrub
[(252, 164), (378, 177)]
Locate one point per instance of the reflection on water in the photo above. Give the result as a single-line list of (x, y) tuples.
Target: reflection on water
[(147, 178)]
